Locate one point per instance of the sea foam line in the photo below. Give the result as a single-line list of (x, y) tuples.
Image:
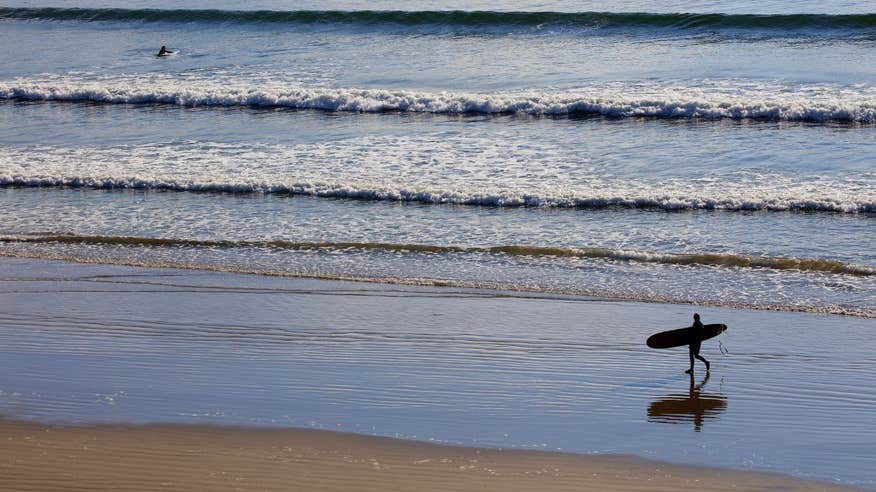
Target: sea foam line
[(431, 282), (723, 101), (727, 260), (329, 190)]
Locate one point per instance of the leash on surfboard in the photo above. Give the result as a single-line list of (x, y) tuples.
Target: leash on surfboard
[(722, 348)]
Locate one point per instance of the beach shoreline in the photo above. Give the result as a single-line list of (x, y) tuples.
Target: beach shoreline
[(216, 372), (512, 289), (196, 457)]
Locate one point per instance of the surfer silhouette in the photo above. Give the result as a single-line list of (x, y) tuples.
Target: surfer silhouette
[(164, 51), (695, 342)]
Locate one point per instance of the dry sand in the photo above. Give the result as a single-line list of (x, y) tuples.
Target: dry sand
[(183, 457)]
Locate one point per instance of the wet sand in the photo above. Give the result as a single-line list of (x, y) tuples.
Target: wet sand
[(186, 457), (207, 361)]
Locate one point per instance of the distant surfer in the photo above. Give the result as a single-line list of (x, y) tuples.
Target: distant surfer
[(164, 51), (695, 341)]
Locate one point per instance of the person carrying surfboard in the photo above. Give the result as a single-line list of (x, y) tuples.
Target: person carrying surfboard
[(695, 342)]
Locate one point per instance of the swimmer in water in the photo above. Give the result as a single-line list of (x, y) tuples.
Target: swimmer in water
[(164, 51)]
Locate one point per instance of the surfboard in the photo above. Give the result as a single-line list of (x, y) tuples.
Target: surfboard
[(683, 336)]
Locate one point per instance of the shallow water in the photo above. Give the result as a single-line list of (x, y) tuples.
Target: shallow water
[(86, 343), (698, 188)]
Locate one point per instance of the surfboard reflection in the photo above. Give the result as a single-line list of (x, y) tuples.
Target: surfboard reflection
[(695, 406)]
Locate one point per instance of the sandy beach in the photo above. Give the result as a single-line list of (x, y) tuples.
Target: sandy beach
[(176, 457), (124, 378)]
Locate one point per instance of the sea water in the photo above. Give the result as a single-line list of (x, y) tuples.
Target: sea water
[(713, 153), (706, 152)]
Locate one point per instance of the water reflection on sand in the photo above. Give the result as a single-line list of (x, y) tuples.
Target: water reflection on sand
[(696, 406)]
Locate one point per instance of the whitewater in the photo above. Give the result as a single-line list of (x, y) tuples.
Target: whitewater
[(444, 169), (700, 99)]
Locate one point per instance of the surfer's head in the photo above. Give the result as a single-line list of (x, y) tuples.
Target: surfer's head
[(696, 316)]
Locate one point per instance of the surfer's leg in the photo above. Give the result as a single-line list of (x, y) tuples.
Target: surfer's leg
[(694, 351), (691, 353), (700, 357)]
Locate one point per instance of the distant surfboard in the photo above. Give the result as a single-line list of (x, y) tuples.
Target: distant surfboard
[(683, 336)]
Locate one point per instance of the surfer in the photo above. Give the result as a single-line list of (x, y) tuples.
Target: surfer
[(164, 51), (695, 342)]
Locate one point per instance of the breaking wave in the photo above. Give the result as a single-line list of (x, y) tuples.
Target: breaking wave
[(323, 190), (465, 19), (713, 101), (706, 259)]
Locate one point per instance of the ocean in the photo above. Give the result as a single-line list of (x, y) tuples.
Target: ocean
[(708, 154), (719, 157)]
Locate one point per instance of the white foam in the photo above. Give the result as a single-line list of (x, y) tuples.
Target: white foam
[(458, 169), (698, 99), (739, 291), (666, 202)]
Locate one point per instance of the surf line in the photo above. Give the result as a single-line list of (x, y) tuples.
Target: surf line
[(610, 102), (500, 199), (726, 260), (439, 283)]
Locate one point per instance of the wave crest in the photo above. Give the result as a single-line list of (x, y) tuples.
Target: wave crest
[(720, 101), (669, 203), (467, 19)]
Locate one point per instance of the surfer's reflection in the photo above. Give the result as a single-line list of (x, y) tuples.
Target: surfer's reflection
[(696, 406)]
